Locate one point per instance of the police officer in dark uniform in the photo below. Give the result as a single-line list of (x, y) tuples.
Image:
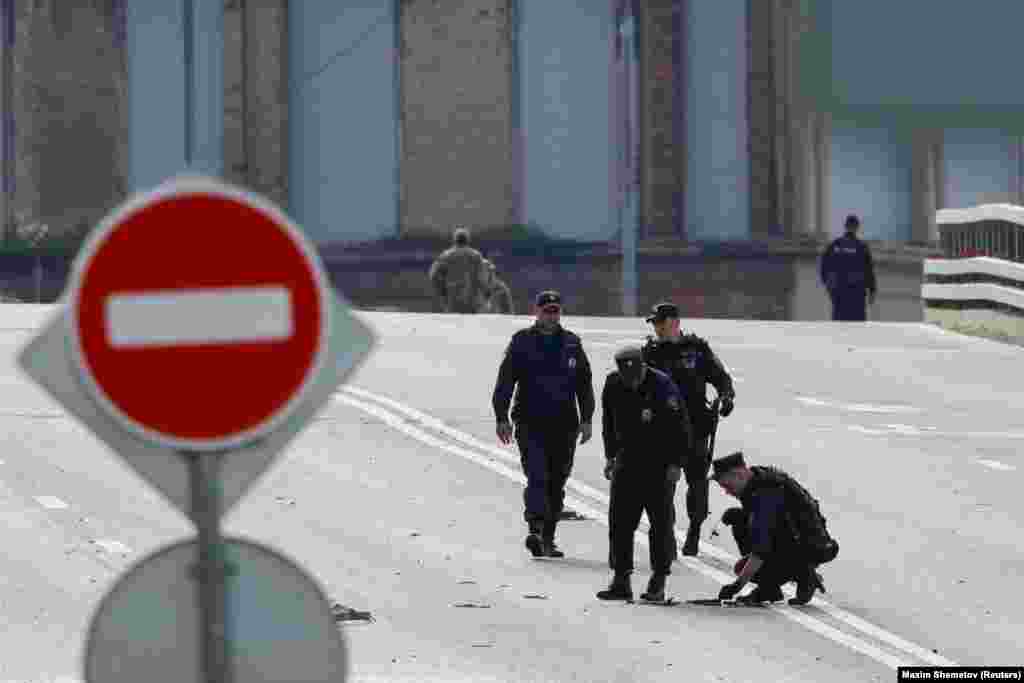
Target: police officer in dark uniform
[(642, 412), (691, 364), (780, 532), (548, 365), (848, 273)]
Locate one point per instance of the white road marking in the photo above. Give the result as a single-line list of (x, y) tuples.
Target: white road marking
[(112, 546), (996, 465), (51, 502), (199, 316), (401, 423), (857, 407)]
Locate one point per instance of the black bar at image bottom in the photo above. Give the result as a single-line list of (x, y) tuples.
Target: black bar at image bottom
[(960, 673)]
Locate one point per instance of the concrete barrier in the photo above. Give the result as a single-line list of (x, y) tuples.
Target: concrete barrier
[(975, 295)]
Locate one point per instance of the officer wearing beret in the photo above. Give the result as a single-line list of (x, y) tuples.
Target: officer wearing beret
[(642, 412), (690, 362), (780, 532), (547, 368)]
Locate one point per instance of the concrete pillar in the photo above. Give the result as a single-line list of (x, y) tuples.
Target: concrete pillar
[(925, 186), (265, 97), (763, 94), (67, 94), (662, 147), (457, 150)]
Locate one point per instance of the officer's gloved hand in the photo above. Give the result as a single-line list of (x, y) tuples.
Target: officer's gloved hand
[(727, 406), (673, 473), (729, 591), (609, 468)]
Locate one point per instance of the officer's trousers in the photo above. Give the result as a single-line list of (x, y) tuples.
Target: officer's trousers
[(849, 305), (788, 562), (546, 453), (635, 491), (696, 470)]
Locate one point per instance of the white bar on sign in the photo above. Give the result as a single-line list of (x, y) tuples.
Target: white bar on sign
[(200, 316)]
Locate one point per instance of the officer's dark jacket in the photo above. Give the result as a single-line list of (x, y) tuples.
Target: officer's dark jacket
[(691, 364), (550, 375), (783, 514), (847, 264), (640, 427)]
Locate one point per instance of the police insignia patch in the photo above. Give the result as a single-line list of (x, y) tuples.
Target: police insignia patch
[(646, 415)]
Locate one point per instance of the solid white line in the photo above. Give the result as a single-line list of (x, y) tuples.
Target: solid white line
[(199, 316), (836, 612), (112, 546), (51, 502), (398, 423)]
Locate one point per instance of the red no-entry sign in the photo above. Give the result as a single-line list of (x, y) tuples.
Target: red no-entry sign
[(198, 316)]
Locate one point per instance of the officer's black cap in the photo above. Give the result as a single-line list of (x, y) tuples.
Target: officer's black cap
[(852, 221), (549, 298), (727, 463), (629, 359), (663, 311)]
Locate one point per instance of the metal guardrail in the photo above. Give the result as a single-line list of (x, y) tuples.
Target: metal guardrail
[(994, 230)]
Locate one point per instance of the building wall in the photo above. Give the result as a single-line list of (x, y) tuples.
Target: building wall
[(981, 167), (717, 136), (564, 117), (343, 119), (870, 175)]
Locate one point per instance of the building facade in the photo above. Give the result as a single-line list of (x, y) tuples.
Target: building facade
[(677, 119)]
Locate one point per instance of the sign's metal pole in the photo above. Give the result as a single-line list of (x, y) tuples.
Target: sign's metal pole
[(204, 479)]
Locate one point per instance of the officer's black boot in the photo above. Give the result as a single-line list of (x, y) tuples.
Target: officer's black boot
[(619, 589), (763, 593), (691, 546), (548, 540), (534, 542), (655, 588), (805, 587)]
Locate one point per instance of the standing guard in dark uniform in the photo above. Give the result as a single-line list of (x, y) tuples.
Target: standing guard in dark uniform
[(691, 364), (548, 365), (779, 531), (642, 414), (848, 273)]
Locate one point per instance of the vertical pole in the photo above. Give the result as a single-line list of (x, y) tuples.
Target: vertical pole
[(204, 480)]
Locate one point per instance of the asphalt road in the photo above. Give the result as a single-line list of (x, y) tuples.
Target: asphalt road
[(399, 500)]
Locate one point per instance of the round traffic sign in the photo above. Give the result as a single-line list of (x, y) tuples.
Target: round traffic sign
[(277, 620), (199, 315)]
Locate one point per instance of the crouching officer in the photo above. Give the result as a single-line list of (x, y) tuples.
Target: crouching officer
[(692, 365), (643, 414), (780, 532), (552, 372)]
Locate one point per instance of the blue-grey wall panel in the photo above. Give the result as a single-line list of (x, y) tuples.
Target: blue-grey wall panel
[(980, 166), (564, 52), (870, 175), (717, 151), (156, 91), (342, 155)]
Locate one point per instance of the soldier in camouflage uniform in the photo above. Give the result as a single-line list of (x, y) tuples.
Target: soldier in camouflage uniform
[(499, 298), (460, 277)]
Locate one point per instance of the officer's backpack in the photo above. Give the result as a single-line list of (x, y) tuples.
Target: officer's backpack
[(803, 514)]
